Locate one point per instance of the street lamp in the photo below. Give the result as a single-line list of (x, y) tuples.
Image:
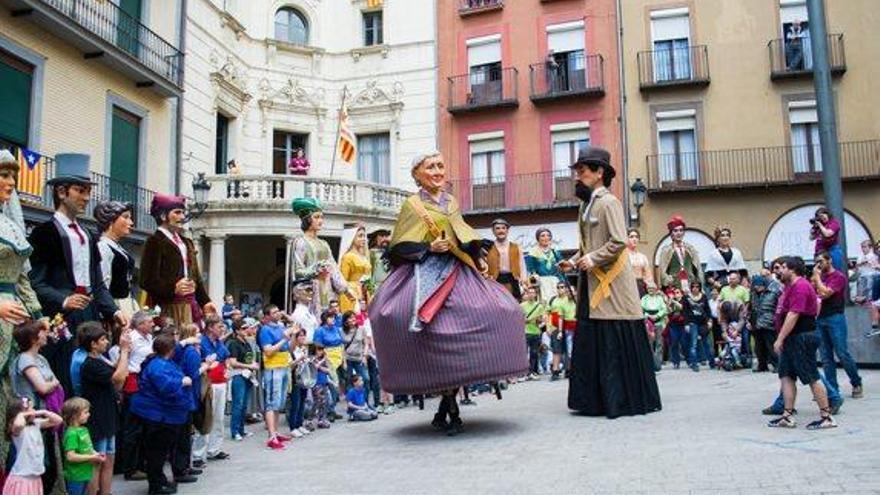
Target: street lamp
[(200, 188), (639, 191)]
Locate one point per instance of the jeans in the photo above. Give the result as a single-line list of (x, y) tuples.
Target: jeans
[(832, 340), (241, 391), (834, 397), (701, 347), (296, 412), (210, 444), (569, 345), (836, 253), (77, 487), (360, 369), (679, 340), (533, 343)]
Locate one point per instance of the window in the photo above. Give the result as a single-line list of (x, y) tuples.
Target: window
[(806, 152), (487, 170), (677, 142), (124, 155), (796, 35), (373, 28), (566, 66), (484, 63), (567, 140), (374, 158), (16, 83), (221, 153), (670, 32), (291, 26), (283, 146)]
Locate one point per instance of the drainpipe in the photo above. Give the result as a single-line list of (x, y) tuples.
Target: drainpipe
[(178, 131), (621, 77)]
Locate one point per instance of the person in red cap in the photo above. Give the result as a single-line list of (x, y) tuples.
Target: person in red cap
[(679, 260), (66, 264), (169, 268)]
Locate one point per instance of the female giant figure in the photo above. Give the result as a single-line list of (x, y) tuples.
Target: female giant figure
[(438, 323)]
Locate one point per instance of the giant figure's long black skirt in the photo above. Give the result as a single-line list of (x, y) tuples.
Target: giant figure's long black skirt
[(612, 367)]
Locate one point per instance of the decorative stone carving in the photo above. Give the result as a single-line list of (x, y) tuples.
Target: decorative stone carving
[(377, 99), (292, 97), (229, 83)]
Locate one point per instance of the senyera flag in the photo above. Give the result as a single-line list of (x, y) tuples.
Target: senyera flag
[(31, 173), (347, 142)]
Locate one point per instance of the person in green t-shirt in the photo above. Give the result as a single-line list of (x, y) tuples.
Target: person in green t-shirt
[(562, 310), (734, 291), (80, 457), (534, 312)]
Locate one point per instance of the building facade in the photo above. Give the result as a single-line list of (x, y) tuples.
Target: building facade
[(524, 85), (722, 125), (265, 78), (100, 78)]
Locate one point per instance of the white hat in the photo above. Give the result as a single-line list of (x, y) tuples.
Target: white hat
[(6, 158)]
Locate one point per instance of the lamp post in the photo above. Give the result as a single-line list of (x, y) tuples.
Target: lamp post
[(200, 188), (639, 191)]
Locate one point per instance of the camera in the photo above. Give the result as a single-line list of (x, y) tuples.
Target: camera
[(813, 221)]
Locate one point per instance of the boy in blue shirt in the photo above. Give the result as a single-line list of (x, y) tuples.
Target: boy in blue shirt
[(358, 410)]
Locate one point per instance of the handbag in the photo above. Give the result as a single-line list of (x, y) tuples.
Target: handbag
[(306, 375)]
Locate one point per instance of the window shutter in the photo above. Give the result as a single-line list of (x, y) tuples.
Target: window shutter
[(16, 80)]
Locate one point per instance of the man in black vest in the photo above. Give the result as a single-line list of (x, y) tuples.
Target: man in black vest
[(66, 264)]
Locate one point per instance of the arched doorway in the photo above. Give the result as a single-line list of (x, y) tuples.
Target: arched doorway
[(790, 234)]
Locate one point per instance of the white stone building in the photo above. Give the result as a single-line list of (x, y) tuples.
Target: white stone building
[(264, 77)]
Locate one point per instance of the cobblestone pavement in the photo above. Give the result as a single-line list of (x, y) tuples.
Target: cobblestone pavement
[(710, 438)]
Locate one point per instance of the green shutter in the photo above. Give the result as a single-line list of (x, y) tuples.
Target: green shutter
[(128, 26), (124, 154), (15, 100)]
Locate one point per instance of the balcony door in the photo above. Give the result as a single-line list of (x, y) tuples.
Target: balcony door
[(677, 161), (806, 151), (16, 83), (284, 146), (670, 32), (374, 158), (487, 173), (124, 156), (796, 35), (485, 84), (567, 144), (567, 71), (128, 25)]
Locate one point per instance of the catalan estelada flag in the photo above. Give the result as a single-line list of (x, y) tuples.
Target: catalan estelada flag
[(374, 4), (347, 143), (31, 173)]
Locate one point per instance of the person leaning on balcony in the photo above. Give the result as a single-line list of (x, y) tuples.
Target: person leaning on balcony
[(299, 164), (825, 230), (169, 267), (507, 266), (66, 264), (679, 260), (114, 218), (795, 39), (18, 302)]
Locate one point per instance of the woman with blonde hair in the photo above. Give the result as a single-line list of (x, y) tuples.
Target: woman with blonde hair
[(355, 267)]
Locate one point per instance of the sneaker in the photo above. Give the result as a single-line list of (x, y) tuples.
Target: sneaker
[(835, 408), (135, 476), (771, 411), (295, 433), (194, 472), (858, 392), (219, 456), (696, 368), (238, 437), (198, 463), (283, 438), (275, 444)]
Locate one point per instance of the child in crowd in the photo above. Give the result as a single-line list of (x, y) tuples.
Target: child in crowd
[(80, 457), (357, 401), (23, 425), (321, 390), (534, 313), (329, 336)]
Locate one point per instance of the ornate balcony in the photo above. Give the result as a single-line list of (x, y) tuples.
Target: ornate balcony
[(471, 7), (758, 167), (103, 31), (538, 190), (582, 76), (673, 67), (483, 90), (793, 61)]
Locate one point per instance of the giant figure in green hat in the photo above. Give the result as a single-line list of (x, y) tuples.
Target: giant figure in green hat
[(310, 257)]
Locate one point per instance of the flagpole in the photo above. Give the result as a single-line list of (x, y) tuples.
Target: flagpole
[(338, 129)]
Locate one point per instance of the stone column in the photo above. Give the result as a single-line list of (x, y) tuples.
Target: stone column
[(217, 268)]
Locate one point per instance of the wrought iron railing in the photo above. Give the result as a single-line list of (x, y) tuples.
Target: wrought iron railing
[(105, 189), (579, 75), (483, 89), (795, 58), (468, 7), (530, 190), (113, 25), (758, 167), (685, 65)]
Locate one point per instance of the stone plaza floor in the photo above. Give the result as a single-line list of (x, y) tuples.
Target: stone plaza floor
[(710, 438)]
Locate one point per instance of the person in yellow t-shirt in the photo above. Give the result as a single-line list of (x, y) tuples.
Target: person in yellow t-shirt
[(561, 323), (534, 312)]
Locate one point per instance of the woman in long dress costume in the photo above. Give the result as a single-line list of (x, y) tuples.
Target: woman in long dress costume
[(355, 267), (438, 323)]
